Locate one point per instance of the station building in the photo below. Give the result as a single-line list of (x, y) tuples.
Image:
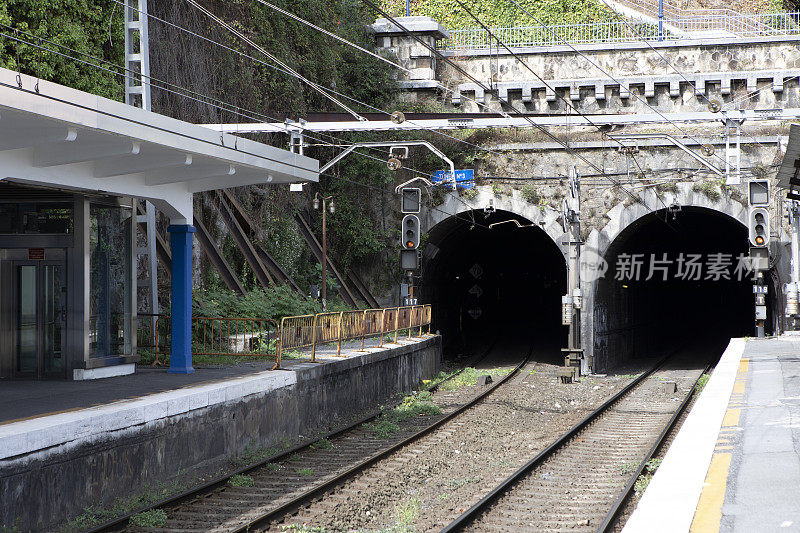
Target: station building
[(72, 165)]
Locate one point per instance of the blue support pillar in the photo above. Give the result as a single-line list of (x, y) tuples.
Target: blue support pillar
[(181, 243)]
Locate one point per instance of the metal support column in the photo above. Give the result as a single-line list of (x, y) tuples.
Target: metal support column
[(793, 287), (180, 240), (137, 54), (137, 93), (733, 152), (573, 301)]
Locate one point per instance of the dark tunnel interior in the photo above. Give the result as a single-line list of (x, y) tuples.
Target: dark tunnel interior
[(500, 284), (651, 317)]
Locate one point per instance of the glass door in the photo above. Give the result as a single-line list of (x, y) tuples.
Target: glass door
[(40, 317)]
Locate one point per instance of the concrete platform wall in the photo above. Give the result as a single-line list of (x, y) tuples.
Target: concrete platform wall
[(52, 481)]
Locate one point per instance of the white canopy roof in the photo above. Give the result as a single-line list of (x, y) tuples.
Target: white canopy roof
[(58, 136), (789, 165)]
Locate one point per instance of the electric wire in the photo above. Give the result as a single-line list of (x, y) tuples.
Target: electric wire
[(503, 101), (666, 62), (273, 58), (388, 113)]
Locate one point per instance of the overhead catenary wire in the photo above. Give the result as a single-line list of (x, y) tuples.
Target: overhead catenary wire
[(502, 101), (342, 95), (666, 62), (440, 85), (274, 58), (237, 110)]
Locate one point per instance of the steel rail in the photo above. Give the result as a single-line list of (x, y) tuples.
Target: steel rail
[(119, 523), (344, 476), (480, 507), (617, 507)]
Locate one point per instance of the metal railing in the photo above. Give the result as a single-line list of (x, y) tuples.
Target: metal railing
[(263, 337), (727, 23), (222, 336), (306, 331)]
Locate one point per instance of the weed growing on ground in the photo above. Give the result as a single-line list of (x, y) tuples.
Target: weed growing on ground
[(95, 515), (322, 444), (701, 383), (240, 480), (628, 468), (412, 406), (404, 515), (272, 467), (469, 376), (647, 474), (384, 429), (151, 518), (305, 471), (305, 528)]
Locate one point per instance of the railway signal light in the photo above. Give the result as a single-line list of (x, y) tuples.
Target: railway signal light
[(758, 192), (410, 200), (758, 225), (410, 232)]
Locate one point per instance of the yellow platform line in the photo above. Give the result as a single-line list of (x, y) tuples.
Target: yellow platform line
[(708, 515), (709, 509)]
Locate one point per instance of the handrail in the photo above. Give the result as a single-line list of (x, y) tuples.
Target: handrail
[(226, 336), (311, 331), (261, 337), (727, 23)]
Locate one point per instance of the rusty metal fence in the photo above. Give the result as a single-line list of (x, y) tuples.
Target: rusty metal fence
[(222, 336), (298, 332), (257, 337)]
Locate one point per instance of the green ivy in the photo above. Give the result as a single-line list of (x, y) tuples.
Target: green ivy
[(503, 13), (91, 27)]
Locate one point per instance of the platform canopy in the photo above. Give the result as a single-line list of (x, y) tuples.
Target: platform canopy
[(55, 136), (790, 164)]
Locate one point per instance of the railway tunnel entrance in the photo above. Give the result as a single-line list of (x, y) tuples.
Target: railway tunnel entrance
[(495, 278), (674, 278)]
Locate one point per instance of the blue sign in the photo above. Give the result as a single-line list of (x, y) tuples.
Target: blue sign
[(465, 179)]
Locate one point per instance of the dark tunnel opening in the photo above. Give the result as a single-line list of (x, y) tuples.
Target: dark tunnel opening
[(500, 284), (695, 306)]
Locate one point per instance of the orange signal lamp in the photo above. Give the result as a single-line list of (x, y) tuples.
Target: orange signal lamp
[(759, 240)]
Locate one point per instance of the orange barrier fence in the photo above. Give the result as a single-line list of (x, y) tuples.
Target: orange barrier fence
[(261, 337), (328, 328)]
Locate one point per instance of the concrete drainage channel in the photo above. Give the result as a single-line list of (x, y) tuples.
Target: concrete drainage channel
[(418, 478)]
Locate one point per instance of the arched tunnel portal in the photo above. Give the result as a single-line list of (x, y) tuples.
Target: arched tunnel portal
[(491, 280), (675, 279)]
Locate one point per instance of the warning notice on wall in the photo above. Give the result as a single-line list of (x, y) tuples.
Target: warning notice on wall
[(35, 254)]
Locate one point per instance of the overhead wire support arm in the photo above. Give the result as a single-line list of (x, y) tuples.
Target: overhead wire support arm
[(674, 141), (426, 144)]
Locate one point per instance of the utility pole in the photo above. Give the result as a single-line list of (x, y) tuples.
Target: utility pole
[(792, 288), (137, 93), (325, 207), (572, 302)]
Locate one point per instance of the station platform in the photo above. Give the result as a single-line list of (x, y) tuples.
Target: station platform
[(85, 443), (735, 463)]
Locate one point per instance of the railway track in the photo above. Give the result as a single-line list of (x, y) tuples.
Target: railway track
[(580, 481), (220, 506)]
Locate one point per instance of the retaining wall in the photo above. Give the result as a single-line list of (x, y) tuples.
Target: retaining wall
[(52, 467)]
